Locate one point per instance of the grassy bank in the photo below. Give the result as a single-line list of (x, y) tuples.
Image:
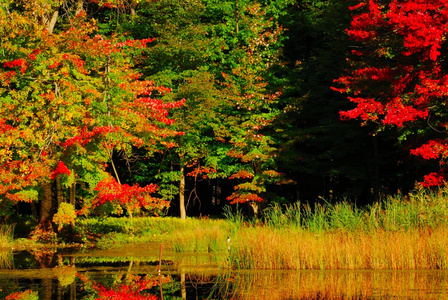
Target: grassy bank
[(195, 235), (403, 232)]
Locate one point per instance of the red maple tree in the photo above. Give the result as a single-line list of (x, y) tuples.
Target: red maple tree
[(398, 73)]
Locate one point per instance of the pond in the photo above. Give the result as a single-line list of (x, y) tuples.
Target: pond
[(132, 273)]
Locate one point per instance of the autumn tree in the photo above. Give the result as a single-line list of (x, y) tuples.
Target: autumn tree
[(398, 73), (326, 157), (69, 100)]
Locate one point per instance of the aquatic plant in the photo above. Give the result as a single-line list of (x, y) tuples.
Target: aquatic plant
[(402, 232), (211, 239)]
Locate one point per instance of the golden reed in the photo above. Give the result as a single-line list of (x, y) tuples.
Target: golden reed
[(271, 248)]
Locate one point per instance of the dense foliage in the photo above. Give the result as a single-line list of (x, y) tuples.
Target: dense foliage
[(248, 113), (398, 72)]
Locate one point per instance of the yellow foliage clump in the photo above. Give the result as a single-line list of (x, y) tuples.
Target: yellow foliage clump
[(65, 216)]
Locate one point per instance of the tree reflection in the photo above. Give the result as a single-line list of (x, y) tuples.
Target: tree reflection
[(132, 287), (84, 286), (25, 295)]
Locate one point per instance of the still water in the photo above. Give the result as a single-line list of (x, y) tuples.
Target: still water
[(132, 273)]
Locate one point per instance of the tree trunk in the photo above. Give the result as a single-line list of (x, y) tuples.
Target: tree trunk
[(129, 210), (47, 202), (183, 286), (183, 213), (255, 208), (79, 6), (50, 23), (47, 288), (73, 194), (59, 195)]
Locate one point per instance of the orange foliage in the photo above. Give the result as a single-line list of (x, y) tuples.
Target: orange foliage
[(243, 198), (242, 174)]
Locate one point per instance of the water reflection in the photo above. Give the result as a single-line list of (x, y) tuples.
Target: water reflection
[(336, 285), (132, 274)]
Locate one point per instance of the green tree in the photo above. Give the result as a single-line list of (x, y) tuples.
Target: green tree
[(251, 43), (178, 59)]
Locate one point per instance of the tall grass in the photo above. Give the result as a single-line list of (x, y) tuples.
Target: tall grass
[(235, 216), (211, 239), (6, 235), (403, 232), (271, 248), (422, 209), (6, 239)]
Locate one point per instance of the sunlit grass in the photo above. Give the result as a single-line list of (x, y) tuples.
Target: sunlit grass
[(6, 240), (272, 248), (6, 235), (421, 209), (6, 259), (194, 235), (402, 232), (210, 239)]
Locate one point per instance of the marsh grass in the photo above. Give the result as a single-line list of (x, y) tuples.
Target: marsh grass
[(6, 235), (210, 239), (403, 232), (6, 259), (421, 209), (271, 248), (6, 240), (235, 216)]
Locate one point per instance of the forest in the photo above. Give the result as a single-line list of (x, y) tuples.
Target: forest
[(182, 108)]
